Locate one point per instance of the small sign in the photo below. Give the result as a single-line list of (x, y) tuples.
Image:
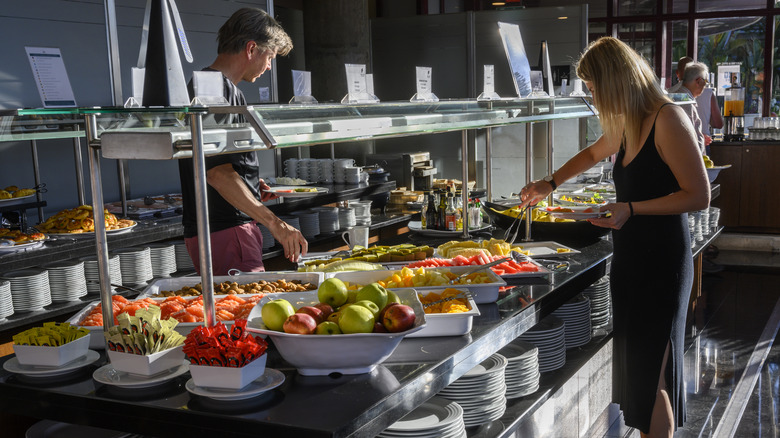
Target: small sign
[(518, 59), (51, 77), (265, 94), (301, 83)]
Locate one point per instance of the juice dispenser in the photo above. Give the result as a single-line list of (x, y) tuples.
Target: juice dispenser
[(734, 114)]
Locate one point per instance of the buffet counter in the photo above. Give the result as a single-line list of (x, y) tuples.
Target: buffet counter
[(354, 405)]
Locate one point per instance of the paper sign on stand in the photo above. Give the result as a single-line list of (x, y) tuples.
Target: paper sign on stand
[(51, 77), (488, 85), (137, 77), (424, 86), (208, 87), (302, 87), (265, 94), (357, 87), (518, 60)]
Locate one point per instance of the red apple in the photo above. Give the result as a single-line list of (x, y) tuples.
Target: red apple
[(326, 309), (381, 314), (398, 318), (379, 328), (300, 323), (313, 312)]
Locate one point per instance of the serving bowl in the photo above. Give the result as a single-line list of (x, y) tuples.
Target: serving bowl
[(712, 172), (321, 355), (146, 364), (36, 355), (206, 376)]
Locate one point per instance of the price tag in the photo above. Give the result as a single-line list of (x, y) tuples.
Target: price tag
[(424, 81), (356, 79), (51, 77), (489, 84), (301, 83)]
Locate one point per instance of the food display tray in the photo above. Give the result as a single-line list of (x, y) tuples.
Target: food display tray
[(482, 292), (162, 284), (446, 324)]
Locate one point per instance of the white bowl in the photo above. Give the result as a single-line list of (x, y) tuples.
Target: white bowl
[(146, 365), (712, 172), (446, 324), (482, 292), (320, 355), (218, 377), (52, 356)]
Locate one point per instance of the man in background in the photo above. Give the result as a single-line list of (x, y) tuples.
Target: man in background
[(247, 44)]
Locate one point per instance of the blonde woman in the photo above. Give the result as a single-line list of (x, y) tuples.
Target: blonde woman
[(659, 176)]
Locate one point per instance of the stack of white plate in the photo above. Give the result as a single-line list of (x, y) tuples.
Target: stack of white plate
[(310, 222), (268, 238), (136, 265), (480, 392), (67, 281), (29, 289), (329, 219), (292, 221), (183, 260), (522, 370), (6, 302), (163, 257), (549, 337), (92, 274), (600, 301), (575, 313), (347, 218), (436, 418)]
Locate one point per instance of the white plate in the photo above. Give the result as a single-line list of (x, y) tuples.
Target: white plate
[(576, 213), (12, 365), (270, 379), (547, 249), (92, 233), (282, 191), (577, 199), (416, 227), (126, 380), (435, 414)]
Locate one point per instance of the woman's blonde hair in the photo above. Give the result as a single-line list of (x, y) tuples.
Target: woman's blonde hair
[(625, 88)]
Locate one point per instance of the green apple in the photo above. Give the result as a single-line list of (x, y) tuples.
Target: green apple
[(356, 319), (392, 297), (373, 292), (370, 305), (275, 312), (332, 291), (327, 328), (351, 296)]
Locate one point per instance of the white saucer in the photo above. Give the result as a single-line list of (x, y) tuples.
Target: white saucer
[(270, 379), (12, 365), (104, 375)]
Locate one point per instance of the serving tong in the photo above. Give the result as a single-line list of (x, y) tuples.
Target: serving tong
[(463, 295), (517, 221), (553, 265)]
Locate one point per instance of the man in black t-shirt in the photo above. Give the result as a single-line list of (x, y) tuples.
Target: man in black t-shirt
[(247, 43)]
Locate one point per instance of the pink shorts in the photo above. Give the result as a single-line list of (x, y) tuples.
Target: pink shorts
[(240, 247)]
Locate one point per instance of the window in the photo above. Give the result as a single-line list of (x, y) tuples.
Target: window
[(738, 39), (729, 5)]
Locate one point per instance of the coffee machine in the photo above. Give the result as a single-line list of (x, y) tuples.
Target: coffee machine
[(734, 114)]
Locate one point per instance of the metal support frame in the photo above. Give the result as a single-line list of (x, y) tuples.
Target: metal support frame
[(37, 177), (204, 233), (489, 163), (464, 191), (79, 160), (529, 129), (101, 241)]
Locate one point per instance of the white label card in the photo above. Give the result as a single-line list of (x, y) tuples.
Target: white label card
[(265, 94), (489, 85), (356, 79), (370, 84), (51, 77), (424, 80), (518, 59), (301, 83)]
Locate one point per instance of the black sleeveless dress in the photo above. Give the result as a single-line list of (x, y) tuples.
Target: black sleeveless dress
[(651, 279)]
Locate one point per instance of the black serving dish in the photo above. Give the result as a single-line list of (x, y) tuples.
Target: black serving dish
[(568, 233)]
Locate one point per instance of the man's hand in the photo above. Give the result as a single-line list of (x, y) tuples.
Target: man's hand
[(263, 188)]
